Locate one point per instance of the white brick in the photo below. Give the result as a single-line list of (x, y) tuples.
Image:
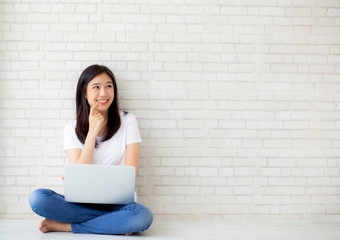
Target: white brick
[(323, 181), (207, 171), (238, 105), (234, 209), (293, 209), (185, 190), (220, 199), (175, 180), (15, 123), (164, 171)]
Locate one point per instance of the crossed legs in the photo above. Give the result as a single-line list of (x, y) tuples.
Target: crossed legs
[(88, 218)]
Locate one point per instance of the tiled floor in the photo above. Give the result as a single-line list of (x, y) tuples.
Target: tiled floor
[(324, 228)]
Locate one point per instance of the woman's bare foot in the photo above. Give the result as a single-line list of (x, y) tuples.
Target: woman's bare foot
[(48, 225), (127, 234)]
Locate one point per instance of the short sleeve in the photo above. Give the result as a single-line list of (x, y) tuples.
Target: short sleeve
[(70, 138), (132, 131)]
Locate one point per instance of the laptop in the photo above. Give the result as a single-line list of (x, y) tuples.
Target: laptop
[(106, 184)]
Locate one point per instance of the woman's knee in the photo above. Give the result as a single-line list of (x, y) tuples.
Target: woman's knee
[(145, 217), (38, 198)]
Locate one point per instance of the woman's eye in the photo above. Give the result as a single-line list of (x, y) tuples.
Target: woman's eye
[(110, 86)]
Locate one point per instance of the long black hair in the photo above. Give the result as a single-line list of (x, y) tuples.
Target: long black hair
[(83, 108)]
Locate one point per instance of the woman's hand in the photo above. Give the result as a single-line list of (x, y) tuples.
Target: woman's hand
[(96, 121), (85, 155)]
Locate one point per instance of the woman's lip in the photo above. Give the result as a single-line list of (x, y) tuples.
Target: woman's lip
[(106, 101)]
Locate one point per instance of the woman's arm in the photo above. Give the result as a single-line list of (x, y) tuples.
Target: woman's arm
[(85, 156), (78, 156), (132, 155)]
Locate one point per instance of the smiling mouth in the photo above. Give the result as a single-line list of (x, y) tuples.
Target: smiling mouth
[(103, 101)]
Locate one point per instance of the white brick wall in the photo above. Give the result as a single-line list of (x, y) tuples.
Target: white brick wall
[(237, 101)]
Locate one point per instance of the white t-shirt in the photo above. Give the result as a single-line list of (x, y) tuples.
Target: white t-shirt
[(112, 151)]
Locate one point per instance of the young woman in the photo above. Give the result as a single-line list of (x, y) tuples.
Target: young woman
[(101, 134)]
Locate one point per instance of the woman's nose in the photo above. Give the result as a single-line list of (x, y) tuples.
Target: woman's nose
[(102, 92)]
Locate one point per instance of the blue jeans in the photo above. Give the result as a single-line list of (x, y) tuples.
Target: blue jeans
[(91, 218)]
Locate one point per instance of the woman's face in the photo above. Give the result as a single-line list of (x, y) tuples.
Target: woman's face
[(100, 90)]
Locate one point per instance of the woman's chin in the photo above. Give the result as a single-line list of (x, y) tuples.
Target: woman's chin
[(103, 108)]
